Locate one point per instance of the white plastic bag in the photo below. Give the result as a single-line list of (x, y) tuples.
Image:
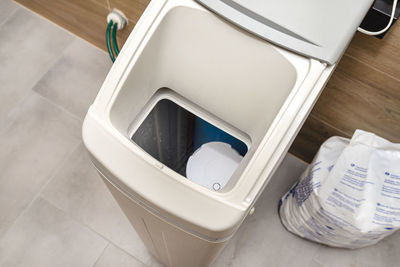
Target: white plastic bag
[(349, 196)]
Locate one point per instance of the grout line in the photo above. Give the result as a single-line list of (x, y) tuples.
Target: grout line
[(111, 242), (317, 250), (54, 172), (58, 58), (29, 92), (59, 26), (73, 219), (95, 231), (9, 15), (108, 5), (54, 62), (8, 119), (52, 175), (101, 254), (34, 83), (318, 262), (39, 195), (147, 264), (372, 67), (73, 116), (82, 222)]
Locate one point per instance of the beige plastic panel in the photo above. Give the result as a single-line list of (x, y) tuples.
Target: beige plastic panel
[(237, 77), (247, 83), (169, 244)]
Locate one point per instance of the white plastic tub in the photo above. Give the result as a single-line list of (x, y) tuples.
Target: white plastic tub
[(251, 89)]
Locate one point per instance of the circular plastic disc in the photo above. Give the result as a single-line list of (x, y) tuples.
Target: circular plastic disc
[(212, 165)]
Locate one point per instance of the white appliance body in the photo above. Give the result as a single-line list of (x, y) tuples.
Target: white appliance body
[(237, 81)]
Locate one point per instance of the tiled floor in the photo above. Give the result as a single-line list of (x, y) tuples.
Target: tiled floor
[(55, 211)]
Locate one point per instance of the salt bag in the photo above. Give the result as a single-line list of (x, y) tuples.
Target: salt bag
[(349, 196)]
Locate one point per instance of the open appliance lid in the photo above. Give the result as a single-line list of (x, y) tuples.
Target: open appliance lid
[(319, 29)]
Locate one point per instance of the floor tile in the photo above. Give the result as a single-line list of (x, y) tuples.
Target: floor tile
[(226, 257), (78, 190), (86, 19), (32, 147), (154, 263), (45, 236), (262, 240), (74, 81), (7, 7), (113, 256), (315, 263), (29, 45), (336, 257), (384, 253)]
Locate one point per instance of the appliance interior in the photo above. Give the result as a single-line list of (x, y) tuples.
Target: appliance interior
[(212, 69)]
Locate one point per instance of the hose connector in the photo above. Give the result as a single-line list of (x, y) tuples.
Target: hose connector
[(117, 17)]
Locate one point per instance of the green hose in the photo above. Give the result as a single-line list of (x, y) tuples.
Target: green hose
[(113, 32), (114, 39), (110, 52)]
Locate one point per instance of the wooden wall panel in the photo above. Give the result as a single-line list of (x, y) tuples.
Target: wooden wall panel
[(85, 18), (133, 9), (103, 3), (363, 93), (311, 136), (358, 96), (380, 54)]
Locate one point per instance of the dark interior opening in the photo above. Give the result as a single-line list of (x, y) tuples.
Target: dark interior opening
[(171, 134)]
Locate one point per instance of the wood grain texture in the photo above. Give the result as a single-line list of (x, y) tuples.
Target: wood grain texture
[(103, 3), (363, 93), (86, 19), (382, 54), (360, 97), (132, 9), (313, 133), (123, 34)]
